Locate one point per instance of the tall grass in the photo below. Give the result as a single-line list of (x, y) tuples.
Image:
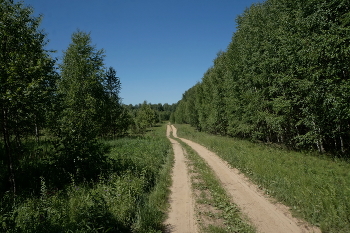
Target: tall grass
[(316, 188), (131, 196)]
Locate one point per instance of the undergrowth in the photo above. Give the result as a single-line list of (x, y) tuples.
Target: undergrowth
[(131, 196), (316, 188)]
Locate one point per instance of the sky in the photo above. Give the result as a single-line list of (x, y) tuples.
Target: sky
[(159, 48)]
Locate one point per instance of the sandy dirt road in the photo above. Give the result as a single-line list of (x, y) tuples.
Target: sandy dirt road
[(263, 214), (181, 218)]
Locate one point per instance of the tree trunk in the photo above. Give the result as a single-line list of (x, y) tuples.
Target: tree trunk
[(321, 142), (17, 138), (37, 137), (342, 144), (8, 150), (341, 140)]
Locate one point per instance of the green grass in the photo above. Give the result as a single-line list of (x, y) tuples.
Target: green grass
[(220, 214), (316, 188), (132, 197)]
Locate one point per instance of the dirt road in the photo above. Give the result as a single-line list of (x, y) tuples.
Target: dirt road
[(263, 214), (181, 218)]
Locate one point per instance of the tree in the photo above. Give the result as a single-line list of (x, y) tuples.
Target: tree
[(145, 117), (112, 106), (27, 79), (123, 122), (83, 98), (284, 78), (112, 83)]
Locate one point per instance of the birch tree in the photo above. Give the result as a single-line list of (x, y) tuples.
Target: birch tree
[(27, 79)]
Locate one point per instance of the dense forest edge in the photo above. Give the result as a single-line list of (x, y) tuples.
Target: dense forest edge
[(284, 78), (73, 157)]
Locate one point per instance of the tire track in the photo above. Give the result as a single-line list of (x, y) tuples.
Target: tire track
[(264, 215), (181, 218)]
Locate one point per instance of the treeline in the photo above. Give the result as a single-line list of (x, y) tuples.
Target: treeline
[(54, 114), (284, 78), (64, 108), (147, 114)]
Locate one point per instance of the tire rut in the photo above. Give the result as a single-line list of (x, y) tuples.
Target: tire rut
[(181, 217), (263, 214)]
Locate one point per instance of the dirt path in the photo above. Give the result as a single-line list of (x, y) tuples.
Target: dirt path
[(181, 217), (264, 215)]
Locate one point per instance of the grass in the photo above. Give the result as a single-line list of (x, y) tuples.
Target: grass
[(215, 211), (316, 188), (132, 197)]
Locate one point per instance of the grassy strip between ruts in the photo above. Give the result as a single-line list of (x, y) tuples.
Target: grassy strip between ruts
[(214, 210), (132, 198), (316, 188)]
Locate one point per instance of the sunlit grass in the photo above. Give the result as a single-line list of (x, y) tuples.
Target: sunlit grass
[(316, 189)]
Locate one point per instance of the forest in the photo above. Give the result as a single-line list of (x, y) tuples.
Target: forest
[(284, 78), (65, 132)]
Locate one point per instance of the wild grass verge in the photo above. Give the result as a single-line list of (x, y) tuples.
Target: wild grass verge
[(214, 209), (132, 197), (316, 188)]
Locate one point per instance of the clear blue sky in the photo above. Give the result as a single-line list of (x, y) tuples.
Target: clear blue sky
[(160, 48)]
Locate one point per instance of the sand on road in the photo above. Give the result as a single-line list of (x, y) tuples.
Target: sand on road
[(181, 217), (265, 215)]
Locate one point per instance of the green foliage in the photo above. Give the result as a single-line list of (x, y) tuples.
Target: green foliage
[(313, 187), (130, 197), (284, 78), (145, 117), (51, 128), (112, 83), (172, 118), (82, 95), (27, 80), (123, 121), (139, 113), (114, 117), (81, 88), (186, 112)]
